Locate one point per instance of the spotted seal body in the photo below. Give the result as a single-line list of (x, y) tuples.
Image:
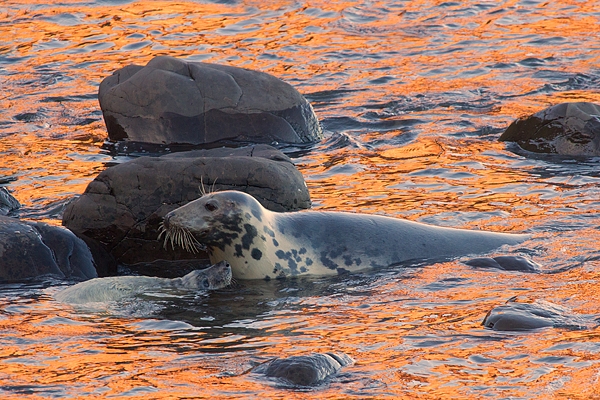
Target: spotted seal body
[(116, 288), (260, 244)]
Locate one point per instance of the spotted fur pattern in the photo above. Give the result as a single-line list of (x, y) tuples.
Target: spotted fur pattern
[(261, 244)]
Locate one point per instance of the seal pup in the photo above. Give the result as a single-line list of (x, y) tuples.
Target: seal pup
[(261, 244), (116, 288)]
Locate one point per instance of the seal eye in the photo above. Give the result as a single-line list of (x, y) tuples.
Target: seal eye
[(210, 206), (205, 283)]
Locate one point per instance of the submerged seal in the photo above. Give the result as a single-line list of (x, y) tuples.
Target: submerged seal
[(119, 287), (259, 243)]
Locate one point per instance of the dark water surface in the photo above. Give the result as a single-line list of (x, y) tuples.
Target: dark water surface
[(413, 96)]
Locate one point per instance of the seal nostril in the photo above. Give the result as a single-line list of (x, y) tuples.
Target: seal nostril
[(166, 220)]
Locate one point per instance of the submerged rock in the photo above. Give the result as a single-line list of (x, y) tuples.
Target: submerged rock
[(174, 101), (570, 129), (524, 314), (125, 204), (308, 370), (34, 249), (506, 263)]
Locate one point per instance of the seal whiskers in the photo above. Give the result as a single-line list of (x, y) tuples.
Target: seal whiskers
[(211, 188), (180, 236)]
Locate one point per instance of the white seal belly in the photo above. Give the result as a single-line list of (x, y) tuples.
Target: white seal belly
[(261, 244)]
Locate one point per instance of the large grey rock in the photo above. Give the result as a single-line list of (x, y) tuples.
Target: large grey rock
[(173, 101), (124, 206), (34, 249), (571, 129)]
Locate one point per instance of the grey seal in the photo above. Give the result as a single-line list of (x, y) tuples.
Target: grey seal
[(261, 244), (116, 288)]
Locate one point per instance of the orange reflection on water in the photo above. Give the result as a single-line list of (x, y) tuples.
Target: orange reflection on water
[(427, 177), (86, 47), (407, 341)]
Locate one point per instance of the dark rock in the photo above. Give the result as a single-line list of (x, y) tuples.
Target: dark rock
[(34, 249), (123, 207), (165, 268), (174, 101), (309, 370), (524, 314), (506, 263), (7, 202), (105, 263), (570, 129)]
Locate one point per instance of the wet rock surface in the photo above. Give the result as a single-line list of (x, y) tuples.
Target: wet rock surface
[(174, 101), (306, 370), (34, 249), (505, 263), (125, 204), (523, 314), (570, 129), (7, 202)]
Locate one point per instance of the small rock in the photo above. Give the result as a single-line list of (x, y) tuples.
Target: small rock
[(570, 129), (7, 202), (506, 263), (308, 370), (524, 314)]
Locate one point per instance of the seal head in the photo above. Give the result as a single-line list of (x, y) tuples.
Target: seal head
[(215, 220), (214, 277)]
